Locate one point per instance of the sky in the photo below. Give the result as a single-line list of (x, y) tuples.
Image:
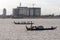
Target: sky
[(47, 6)]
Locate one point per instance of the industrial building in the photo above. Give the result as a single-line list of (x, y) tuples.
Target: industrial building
[(26, 12), (16, 12), (34, 12), (23, 11), (20, 11)]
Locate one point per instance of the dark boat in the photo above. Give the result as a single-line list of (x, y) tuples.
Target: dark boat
[(22, 22), (39, 28)]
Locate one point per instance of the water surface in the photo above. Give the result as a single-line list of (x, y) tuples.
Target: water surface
[(10, 31)]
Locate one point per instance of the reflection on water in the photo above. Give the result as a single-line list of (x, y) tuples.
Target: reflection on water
[(10, 31)]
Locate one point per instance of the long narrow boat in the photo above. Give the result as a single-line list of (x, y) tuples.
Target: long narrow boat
[(40, 28), (22, 23)]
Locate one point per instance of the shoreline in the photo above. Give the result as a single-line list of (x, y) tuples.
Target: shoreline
[(30, 18)]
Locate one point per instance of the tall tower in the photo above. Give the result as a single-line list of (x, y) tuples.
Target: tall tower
[(4, 12)]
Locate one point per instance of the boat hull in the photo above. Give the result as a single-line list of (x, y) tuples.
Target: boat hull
[(21, 23), (40, 29)]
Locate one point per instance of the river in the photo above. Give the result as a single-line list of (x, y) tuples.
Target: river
[(11, 31)]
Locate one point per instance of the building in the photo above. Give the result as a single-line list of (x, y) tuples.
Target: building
[(20, 12), (16, 12), (34, 12), (4, 12), (23, 11), (26, 12)]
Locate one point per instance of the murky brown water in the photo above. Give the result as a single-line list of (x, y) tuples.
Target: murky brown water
[(10, 31)]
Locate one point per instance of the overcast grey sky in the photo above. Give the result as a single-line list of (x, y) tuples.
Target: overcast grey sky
[(47, 6)]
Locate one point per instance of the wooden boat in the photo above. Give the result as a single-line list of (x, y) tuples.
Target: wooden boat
[(22, 22), (39, 28)]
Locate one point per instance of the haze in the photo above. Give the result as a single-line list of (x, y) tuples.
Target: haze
[(47, 6)]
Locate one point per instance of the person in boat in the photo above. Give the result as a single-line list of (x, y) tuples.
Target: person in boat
[(52, 27), (33, 27)]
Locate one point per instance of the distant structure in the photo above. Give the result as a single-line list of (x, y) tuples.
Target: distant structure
[(4, 12), (26, 12), (20, 11), (35, 12)]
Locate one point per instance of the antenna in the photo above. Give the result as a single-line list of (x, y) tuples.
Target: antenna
[(20, 4)]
